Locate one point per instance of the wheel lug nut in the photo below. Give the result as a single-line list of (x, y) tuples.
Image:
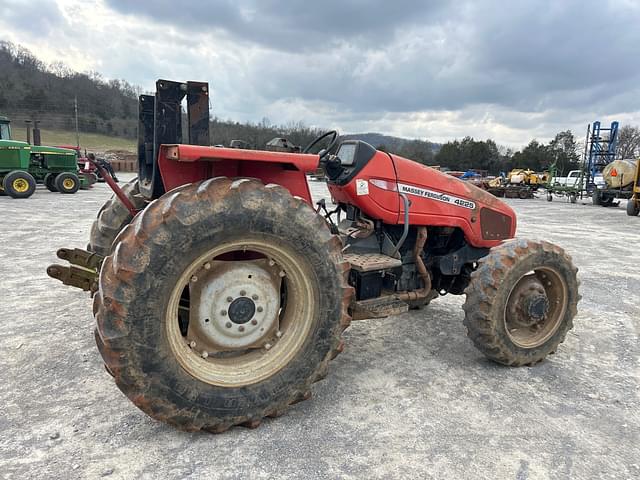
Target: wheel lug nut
[(207, 266), (192, 344), (254, 322), (282, 274), (271, 262), (229, 299), (278, 334), (259, 309), (194, 279), (241, 328), (267, 346), (242, 293), (205, 354), (223, 312), (254, 296), (228, 325)]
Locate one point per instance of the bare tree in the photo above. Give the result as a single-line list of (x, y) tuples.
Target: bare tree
[(628, 142)]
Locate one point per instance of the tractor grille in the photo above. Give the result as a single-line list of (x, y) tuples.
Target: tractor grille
[(495, 225)]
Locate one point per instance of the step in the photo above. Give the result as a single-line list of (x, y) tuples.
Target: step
[(378, 307), (367, 262)]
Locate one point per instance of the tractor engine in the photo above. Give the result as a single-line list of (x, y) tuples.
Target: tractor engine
[(429, 229)]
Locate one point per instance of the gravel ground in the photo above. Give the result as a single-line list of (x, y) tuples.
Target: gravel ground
[(410, 397)]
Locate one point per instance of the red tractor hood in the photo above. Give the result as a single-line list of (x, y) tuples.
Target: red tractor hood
[(436, 199), (411, 173)]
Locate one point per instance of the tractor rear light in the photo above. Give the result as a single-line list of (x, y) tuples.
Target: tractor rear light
[(172, 152), (384, 184)]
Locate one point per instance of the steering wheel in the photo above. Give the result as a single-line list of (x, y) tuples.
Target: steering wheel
[(323, 153)]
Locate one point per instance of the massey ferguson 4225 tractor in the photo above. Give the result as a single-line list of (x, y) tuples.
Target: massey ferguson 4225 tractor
[(221, 291)]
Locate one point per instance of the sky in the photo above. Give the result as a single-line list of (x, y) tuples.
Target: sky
[(428, 69)]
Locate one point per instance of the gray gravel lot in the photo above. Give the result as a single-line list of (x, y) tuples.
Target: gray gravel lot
[(410, 397)]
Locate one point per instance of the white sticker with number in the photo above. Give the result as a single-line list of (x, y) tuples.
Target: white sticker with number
[(362, 187)]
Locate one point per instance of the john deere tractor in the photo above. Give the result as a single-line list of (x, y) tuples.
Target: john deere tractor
[(22, 166)]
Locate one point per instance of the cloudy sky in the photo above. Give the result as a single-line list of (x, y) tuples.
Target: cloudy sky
[(435, 69)]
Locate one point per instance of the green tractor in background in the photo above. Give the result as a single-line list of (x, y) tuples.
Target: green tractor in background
[(23, 165)]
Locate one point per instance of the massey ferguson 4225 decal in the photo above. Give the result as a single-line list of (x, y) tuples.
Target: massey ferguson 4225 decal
[(438, 196)]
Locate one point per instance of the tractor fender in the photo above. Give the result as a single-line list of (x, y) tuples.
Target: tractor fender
[(183, 164)]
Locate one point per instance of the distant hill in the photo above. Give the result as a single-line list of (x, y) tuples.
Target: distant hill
[(33, 90), (418, 150), (377, 139)]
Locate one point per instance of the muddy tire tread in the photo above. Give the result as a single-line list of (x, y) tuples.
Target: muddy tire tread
[(483, 291), (121, 272), (112, 218)]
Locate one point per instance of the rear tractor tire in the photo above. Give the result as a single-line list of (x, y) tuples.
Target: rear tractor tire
[(223, 301), (521, 301), (112, 218), (50, 182), (19, 184), (67, 183), (633, 207)]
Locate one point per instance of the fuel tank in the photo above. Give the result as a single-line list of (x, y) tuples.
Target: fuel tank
[(620, 173), (379, 186)]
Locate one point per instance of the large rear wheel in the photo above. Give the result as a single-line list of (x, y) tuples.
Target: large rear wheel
[(112, 218), (221, 304), (19, 184), (67, 183), (521, 301), (50, 182)]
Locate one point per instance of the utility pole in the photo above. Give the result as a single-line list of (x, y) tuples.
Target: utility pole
[(75, 108)]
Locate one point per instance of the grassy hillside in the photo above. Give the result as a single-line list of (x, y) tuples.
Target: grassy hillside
[(93, 142), (34, 90)]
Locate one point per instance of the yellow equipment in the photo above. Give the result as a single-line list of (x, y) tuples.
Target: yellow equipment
[(519, 176)]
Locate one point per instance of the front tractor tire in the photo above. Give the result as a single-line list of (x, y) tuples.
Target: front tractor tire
[(67, 183), (223, 301), (633, 207), (521, 301)]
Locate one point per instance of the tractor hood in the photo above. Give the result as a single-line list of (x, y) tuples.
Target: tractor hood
[(412, 174), (14, 144), (379, 184), (52, 150), (484, 217)]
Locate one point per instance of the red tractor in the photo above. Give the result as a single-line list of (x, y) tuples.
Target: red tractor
[(221, 293)]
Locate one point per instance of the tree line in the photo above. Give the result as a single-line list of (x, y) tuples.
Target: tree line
[(563, 151), (30, 90), (469, 153)]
